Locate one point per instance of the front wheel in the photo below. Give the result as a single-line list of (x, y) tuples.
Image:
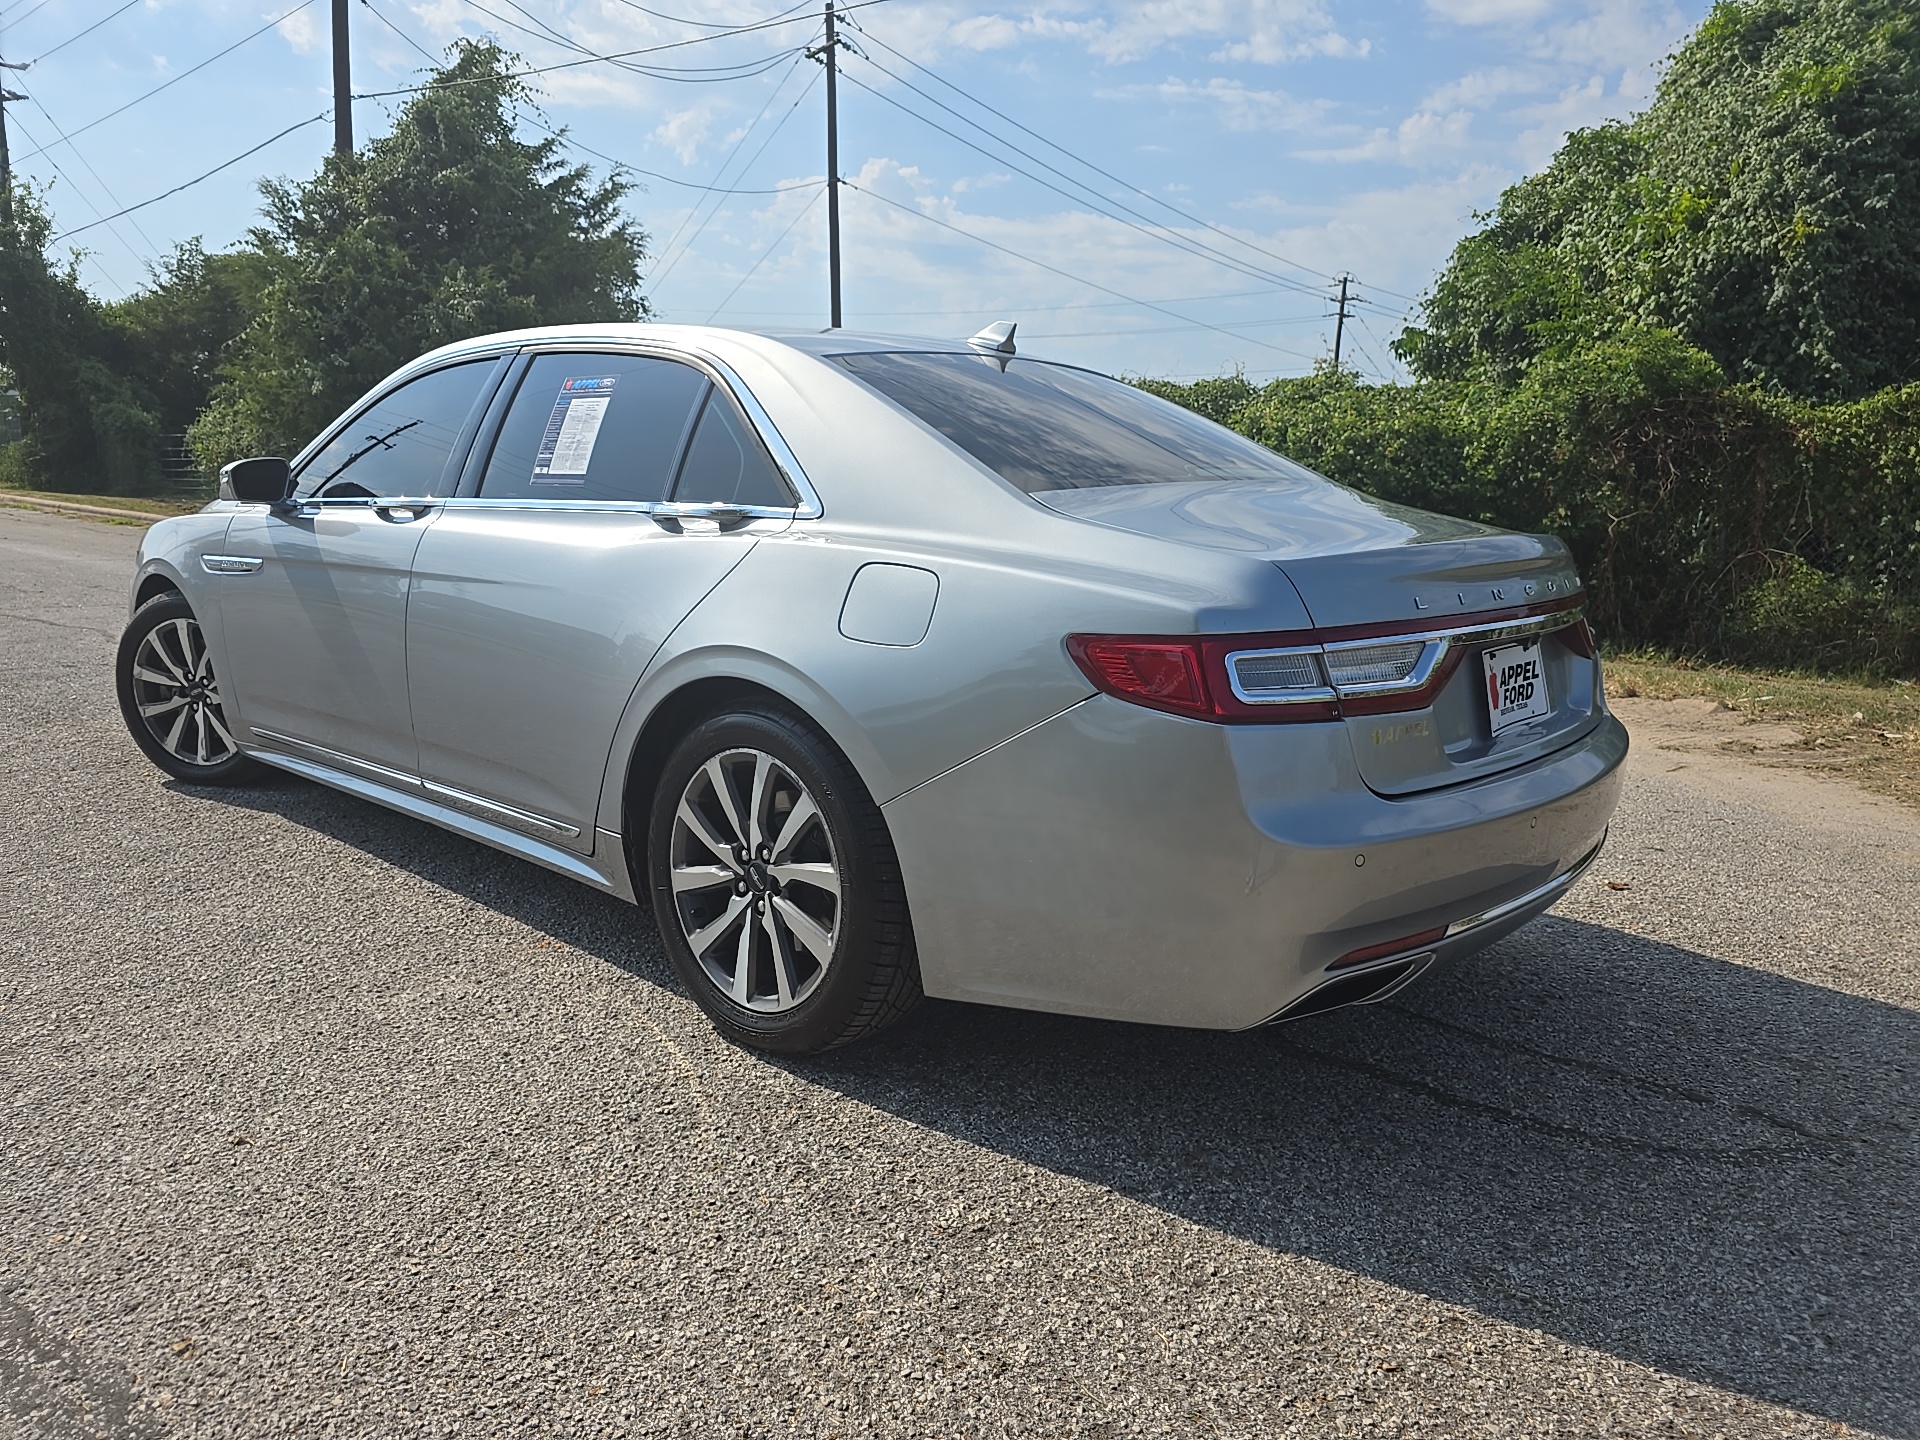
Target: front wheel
[(170, 697), (776, 887)]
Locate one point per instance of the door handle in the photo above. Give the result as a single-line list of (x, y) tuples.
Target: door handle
[(402, 512), (673, 516)]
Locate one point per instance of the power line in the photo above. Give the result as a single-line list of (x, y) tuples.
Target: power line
[(1069, 275), (1148, 195), (710, 24), (1151, 229), (805, 210), (99, 179), (595, 60), (204, 175), (695, 75), (166, 84), (83, 34), (667, 267), (84, 199)]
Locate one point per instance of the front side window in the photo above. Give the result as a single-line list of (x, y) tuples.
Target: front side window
[(1051, 427), (594, 427), (399, 445)]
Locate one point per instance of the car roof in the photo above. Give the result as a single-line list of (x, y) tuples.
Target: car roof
[(696, 338)]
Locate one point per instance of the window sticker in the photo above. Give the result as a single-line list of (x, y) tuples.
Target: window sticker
[(566, 449)]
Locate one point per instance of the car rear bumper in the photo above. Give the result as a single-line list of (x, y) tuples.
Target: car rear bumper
[(1121, 863)]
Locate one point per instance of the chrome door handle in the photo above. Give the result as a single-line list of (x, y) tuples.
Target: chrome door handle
[(673, 516)]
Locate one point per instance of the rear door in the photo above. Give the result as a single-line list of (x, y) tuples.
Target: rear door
[(538, 600), (316, 632)]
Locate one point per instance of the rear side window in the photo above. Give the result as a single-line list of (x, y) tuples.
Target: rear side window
[(594, 427), (1051, 427), (399, 445), (726, 464)]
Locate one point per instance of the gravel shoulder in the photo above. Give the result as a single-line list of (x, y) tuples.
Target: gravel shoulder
[(316, 1120)]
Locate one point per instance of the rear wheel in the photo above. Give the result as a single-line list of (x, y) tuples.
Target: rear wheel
[(776, 887), (170, 697)]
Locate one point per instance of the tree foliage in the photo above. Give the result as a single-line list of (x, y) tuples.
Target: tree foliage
[(448, 226), (1765, 207), (87, 425), (1703, 515)]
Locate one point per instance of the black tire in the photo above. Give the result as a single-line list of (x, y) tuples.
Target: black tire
[(176, 700), (794, 1005)]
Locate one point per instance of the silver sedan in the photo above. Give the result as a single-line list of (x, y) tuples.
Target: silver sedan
[(889, 667)]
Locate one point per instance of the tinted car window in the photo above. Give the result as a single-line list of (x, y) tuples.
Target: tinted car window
[(1050, 427), (594, 427), (726, 463), (399, 444)]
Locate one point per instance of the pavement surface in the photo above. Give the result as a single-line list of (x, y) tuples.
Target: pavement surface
[(315, 1120)]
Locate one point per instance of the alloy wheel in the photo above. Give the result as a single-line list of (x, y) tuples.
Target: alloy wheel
[(177, 696), (756, 886)]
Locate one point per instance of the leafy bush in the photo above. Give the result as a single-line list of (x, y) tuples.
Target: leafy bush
[(1703, 515)]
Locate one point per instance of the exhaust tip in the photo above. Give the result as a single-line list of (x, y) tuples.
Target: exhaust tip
[(1363, 988)]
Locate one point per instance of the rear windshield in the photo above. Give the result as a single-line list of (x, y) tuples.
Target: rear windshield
[(1051, 427)]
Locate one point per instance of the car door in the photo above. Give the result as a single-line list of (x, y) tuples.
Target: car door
[(316, 633), (538, 600)]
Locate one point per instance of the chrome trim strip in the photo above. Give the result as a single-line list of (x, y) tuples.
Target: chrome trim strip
[(231, 564), (1438, 643), (665, 508), (339, 757), (1547, 892), (494, 809), (573, 866)]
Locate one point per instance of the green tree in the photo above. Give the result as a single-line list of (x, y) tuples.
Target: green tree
[(87, 427), (448, 226), (176, 333), (1766, 207)]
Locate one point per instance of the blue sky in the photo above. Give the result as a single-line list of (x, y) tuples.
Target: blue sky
[(1299, 139)]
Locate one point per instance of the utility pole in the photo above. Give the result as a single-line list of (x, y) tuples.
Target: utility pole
[(826, 53), (1340, 324), (342, 84), (6, 164)]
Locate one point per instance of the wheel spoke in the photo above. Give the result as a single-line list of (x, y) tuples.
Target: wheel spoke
[(716, 774), (220, 729), (743, 964), (820, 877), (701, 877), (708, 836), (805, 929), (782, 959), (164, 707), (804, 811), (200, 725), (154, 677), (757, 806), (179, 728), (702, 939)]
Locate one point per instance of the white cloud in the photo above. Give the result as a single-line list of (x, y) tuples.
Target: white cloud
[(1237, 106), (683, 131), (301, 32), (1487, 12)]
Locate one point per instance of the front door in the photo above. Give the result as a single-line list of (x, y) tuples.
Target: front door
[(538, 603), (316, 635)]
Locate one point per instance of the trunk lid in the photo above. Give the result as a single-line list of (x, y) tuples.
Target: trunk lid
[(1366, 568)]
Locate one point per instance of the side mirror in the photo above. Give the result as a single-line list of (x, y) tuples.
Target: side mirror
[(264, 481)]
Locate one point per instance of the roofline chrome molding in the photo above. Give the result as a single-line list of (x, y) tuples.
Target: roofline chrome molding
[(1437, 643)]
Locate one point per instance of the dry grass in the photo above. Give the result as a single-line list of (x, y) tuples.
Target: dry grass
[(1865, 729), (158, 508)]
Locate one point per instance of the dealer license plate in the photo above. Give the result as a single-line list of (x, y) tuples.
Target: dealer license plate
[(1516, 685)]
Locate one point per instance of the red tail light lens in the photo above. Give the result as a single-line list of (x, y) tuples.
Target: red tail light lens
[(1162, 673)]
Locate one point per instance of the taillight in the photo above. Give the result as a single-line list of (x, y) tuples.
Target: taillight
[(1305, 674)]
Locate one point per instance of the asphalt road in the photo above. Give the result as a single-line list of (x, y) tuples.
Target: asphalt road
[(314, 1120)]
